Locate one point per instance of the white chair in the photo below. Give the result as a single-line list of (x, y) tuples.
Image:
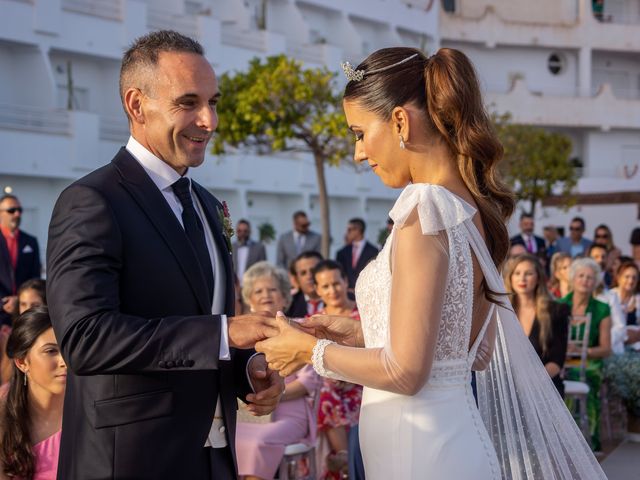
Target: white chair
[(577, 359), (299, 459)]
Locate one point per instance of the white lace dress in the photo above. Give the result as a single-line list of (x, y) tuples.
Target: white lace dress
[(436, 433)]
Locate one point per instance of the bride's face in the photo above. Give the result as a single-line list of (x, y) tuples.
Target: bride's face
[(377, 143)]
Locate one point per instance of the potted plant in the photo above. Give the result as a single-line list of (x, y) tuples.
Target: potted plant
[(266, 232), (622, 373)]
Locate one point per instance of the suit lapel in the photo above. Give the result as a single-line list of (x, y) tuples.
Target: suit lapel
[(213, 217), (152, 202)]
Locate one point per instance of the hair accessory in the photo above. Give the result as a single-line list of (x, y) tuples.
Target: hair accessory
[(401, 142), (357, 75)]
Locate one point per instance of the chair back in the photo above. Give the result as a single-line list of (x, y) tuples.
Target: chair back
[(578, 343)]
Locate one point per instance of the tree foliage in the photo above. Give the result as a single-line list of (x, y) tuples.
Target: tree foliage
[(278, 105), (536, 162)]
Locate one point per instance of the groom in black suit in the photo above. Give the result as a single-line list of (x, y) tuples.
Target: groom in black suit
[(140, 290)]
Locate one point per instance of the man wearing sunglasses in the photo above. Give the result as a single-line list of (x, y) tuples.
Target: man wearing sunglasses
[(19, 255), (576, 244)]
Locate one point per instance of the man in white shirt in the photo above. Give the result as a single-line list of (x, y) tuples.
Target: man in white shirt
[(140, 290), (532, 243), (300, 239)]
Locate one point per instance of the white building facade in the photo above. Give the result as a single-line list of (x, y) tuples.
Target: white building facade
[(60, 112)]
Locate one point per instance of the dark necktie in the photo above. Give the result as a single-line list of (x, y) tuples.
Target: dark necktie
[(194, 230)]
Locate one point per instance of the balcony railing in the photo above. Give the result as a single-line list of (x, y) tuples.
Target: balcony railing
[(158, 19), (307, 53), (35, 119), (109, 9), (114, 129), (249, 39)]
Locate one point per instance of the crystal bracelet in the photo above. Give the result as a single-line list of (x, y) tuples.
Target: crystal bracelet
[(318, 357)]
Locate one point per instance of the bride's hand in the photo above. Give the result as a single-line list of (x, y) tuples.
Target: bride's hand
[(342, 330), (288, 351)]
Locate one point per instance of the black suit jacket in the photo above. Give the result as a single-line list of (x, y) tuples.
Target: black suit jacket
[(27, 267), (131, 313), (540, 244), (344, 258)]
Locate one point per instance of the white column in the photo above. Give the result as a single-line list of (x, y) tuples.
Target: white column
[(584, 72)]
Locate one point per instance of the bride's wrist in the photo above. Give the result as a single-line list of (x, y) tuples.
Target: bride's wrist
[(305, 353)]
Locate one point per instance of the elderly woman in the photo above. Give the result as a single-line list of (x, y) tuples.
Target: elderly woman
[(260, 446), (583, 276)]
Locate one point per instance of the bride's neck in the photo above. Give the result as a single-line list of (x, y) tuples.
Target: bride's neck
[(432, 162)]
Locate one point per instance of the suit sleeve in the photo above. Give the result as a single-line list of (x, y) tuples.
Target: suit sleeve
[(280, 254), (85, 259), (262, 252)]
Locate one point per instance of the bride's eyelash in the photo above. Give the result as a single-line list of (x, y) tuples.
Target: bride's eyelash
[(358, 135)]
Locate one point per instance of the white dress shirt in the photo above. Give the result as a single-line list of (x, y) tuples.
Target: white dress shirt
[(163, 176), (241, 260)]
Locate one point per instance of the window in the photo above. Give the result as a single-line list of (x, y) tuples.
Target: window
[(556, 63), (449, 6)]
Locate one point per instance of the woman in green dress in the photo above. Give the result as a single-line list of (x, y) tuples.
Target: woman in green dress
[(583, 276)]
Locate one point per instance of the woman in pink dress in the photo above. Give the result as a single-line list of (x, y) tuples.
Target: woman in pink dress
[(260, 446), (32, 407), (339, 401)]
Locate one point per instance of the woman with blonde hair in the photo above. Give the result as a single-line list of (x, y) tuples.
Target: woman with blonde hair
[(559, 274), (544, 321)]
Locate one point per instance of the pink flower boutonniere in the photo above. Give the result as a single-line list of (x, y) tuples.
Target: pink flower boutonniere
[(227, 225)]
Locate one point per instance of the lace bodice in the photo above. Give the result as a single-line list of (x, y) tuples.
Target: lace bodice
[(438, 210)]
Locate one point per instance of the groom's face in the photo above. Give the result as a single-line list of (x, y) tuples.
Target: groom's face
[(179, 109)]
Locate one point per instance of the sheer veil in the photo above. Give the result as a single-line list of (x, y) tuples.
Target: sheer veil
[(534, 435)]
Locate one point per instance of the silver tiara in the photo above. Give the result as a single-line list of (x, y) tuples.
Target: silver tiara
[(357, 75)]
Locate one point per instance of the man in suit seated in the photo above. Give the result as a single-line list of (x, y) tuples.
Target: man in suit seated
[(357, 253), (300, 239), (19, 256), (532, 243), (246, 252), (575, 245), (306, 300)]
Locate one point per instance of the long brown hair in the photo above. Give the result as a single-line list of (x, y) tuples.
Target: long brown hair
[(446, 88), (541, 295), (16, 452)]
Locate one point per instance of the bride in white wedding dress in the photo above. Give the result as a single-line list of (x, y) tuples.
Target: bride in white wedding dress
[(431, 304)]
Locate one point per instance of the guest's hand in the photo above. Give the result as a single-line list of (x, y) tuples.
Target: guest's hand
[(342, 330), (268, 386), (288, 351), (246, 330)]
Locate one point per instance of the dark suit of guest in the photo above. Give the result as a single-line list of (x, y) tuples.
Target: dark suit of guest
[(540, 245), (345, 258), (556, 350), (256, 253), (300, 308), (134, 320), (27, 266)]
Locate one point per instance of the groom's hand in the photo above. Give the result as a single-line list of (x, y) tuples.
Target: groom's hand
[(245, 330), (268, 386)]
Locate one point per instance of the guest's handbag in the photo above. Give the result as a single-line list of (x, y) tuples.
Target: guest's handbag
[(245, 416)]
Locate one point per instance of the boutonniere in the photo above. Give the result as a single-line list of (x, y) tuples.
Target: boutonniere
[(227, 226)]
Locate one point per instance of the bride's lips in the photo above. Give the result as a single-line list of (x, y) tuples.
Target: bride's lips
[(373, 166)]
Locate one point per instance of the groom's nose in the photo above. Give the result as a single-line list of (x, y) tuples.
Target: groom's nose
[(207, 118)]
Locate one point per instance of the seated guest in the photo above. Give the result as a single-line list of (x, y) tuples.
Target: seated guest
[(600, 255), (306, 300), (559, 281), (583, 276), (516, 250), (260, 446), (30, 294), (603, 236), (626, 291), (543, 320), (339, 401), (32, 408)]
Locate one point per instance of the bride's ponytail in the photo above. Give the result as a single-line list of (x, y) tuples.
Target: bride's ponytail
[(454, 105)]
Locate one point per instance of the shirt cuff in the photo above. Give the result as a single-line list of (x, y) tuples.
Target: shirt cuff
[(224, 340), (247, 370)]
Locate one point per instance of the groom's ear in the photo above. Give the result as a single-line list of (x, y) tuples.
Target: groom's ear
[(133, 103)]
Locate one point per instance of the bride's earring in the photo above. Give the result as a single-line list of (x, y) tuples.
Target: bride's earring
[(401, 142)]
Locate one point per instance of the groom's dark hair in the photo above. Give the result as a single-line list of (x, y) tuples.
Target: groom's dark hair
[(143, 55)]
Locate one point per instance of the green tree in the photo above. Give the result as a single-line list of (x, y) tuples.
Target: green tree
[(536, 162), (278, 105)]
